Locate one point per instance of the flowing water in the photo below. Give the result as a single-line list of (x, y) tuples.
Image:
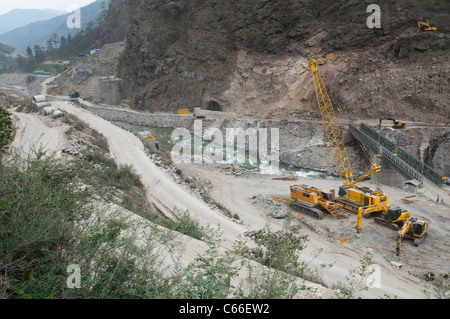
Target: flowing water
[(229, 155)]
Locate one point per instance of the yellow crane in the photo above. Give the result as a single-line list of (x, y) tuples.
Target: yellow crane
[(350, 194)]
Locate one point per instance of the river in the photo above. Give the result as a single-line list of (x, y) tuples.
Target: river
[(164, 137)]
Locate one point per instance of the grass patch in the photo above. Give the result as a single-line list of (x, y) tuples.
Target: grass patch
[(100, 141), (185, 224)]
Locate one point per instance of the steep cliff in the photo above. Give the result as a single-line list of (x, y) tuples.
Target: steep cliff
[(251, 56)]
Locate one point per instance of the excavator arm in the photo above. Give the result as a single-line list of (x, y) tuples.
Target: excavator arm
[(407, 227), (150, 136), (367, 210)]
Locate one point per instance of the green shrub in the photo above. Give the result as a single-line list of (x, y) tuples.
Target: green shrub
[(6, 129), (100, 141), (39, 205), (185, 224)]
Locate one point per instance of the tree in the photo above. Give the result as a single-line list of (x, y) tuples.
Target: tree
[(63, 41), (55, 40), (29, 53), (89, 26), (6, 129), (104, 11), (39, 53), (49, 44), (357, 279)]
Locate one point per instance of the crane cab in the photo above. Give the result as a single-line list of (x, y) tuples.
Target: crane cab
[(354, 198)]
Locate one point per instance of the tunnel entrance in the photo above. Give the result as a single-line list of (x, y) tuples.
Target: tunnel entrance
[(214, 106)]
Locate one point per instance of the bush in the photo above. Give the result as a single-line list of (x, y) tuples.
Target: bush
[(184, 224), (39, 205), (100, 141), (6, 129)]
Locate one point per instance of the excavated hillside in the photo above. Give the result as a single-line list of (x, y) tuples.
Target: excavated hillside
[(251, 57)]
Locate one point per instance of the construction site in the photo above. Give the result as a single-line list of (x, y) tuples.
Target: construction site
[(364, 157)]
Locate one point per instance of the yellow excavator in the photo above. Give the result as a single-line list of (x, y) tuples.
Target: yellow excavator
[(413, 228), (396, 124), (351, 195), (391, 217), (425, 26), (150, 136)]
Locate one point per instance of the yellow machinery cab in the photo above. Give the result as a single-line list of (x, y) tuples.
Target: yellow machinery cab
[(300, 193)]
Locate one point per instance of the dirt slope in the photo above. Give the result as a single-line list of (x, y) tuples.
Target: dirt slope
[(237, 194)]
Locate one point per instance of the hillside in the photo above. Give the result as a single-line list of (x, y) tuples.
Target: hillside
[(7, 55), (253, 55), (37, 33), (20, 17)]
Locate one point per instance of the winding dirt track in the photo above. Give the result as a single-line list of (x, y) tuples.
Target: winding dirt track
[(126, 148)]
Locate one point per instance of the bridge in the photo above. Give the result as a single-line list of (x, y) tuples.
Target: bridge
[(396, 157)]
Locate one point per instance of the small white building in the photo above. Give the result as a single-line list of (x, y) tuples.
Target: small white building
[(412, 185)]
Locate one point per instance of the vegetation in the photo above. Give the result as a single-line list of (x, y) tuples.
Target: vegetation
[(279, 253), (357, 279), (6, 129), (440, 288)]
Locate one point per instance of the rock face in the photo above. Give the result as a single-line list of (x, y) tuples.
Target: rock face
[(252, 55), (82, 73)]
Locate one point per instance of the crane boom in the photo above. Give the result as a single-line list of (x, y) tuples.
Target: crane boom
[(331, 125), (351, 196)]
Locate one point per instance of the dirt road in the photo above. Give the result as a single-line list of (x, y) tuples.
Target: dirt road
[(33, 133), (126, 148)]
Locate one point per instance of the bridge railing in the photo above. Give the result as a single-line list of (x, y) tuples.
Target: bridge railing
[(387, 155), (415, 163)]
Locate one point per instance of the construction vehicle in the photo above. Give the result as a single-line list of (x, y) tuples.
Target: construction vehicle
[(188, 110), (74, 95), (425, 26), (397, 124), (150, 136), (351, 196), (391, 217), (413, 228), (312, 201)]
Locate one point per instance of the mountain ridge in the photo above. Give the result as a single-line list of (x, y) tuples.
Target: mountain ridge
[(37, 33), (17, 18)]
